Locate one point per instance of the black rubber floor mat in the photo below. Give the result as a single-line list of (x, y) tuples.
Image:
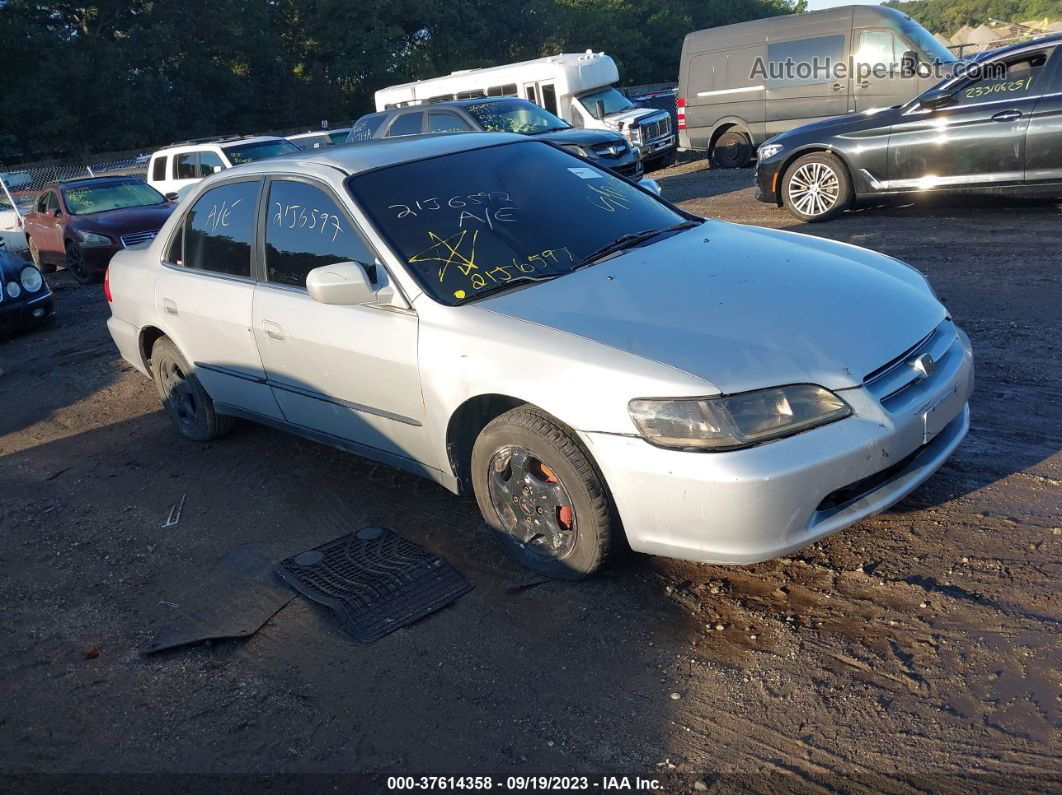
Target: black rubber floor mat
[(232, 600), (374, 580)]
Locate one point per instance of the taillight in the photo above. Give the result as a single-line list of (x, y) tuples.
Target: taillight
[(107, 284), (681, 113)]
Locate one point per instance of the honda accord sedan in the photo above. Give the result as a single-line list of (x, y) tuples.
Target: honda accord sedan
[(587, 360)]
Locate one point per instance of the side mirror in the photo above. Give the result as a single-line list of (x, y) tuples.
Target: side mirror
[(57, 212), (217, 169), (909, 63), (344, 284), (932, 100), (651, 185), (172, 196)]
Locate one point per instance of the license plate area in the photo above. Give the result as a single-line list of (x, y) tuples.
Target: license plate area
[(937, 416)]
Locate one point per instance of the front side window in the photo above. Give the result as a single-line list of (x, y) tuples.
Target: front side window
[(447, 122), (259, 150), (98, 198), (804, 62), (514, 115), (216, 233), (879, 47), (209, 162), (407, 124), (1015, 79), (608, 100), (53, 202), (184, 166), (42, 202), (158, 168), (365, 128), (471, 223), (306, 230)]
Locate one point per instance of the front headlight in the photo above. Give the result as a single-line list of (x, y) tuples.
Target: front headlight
[(31, 279), (93, 239), (574, 149), (13, 289), (733, 421), (636, 136), (769, 150)]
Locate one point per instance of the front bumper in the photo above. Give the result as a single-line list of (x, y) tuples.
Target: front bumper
[(764, 502), (767, 176), (22, 313), (661, 147)]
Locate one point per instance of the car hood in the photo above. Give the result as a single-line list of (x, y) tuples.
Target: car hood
[(11, 266), (838, 125), (580, 137), (742, 307), (129, 219)]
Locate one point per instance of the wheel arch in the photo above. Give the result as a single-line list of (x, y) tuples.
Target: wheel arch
[(810, 149), (725, 125), (148, 336)]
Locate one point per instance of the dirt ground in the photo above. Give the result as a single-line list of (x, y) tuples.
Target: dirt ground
[(919, 650)]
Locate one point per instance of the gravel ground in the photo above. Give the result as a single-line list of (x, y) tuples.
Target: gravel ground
[(918, 650)]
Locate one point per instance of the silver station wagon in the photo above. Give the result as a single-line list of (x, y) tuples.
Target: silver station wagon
[(589, 361)]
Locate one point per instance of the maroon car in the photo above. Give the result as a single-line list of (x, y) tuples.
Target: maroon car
[(81, 223)]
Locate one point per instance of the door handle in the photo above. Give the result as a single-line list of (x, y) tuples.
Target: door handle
[(864, 84), (272, 330), (1007, 115), (836, 87), (170, 307)]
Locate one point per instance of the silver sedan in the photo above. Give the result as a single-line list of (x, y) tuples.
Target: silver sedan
[(589, 361)]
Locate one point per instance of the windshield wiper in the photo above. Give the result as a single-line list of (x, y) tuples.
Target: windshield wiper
[(549, 130), (629, 241)]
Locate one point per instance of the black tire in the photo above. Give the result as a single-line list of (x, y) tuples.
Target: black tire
[(566, 546), (733, 149), (816, 187), (78, 266), (183, 397), (35, 256)]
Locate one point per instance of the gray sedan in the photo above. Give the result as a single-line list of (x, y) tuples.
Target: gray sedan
[(586, 359)]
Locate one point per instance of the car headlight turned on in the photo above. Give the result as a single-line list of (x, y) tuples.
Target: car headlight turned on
[(31, 279), (731, 422), (769, 150), (93, 239), (13, 289)]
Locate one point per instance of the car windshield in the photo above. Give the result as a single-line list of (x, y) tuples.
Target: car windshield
[(87, 199), (515, 116), (259, 150), (614, 102), (477, 222), (924, 40)]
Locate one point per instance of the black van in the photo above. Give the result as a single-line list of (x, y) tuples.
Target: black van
[(741, 84)]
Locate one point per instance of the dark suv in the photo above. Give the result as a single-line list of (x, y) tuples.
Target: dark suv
[(505, 114)]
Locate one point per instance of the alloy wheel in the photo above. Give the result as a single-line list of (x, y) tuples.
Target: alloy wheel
[(814, 189), (531, 502)]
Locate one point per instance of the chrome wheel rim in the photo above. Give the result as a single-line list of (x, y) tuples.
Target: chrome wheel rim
[(531, 503), (814, 188), (180, 398)]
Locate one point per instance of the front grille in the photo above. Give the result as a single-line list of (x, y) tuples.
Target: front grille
[(136, 238), (610, 149), (898, 379), (656, 128)]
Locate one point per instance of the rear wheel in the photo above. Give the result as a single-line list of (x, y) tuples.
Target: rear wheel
[(733, 149), (541, 495), (35, 255), (79, 266), (186, 402), (816, 187)]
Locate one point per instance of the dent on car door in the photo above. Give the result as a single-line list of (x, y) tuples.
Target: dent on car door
[(977, 138), (204, 296), (349, 372), (1043, 140)]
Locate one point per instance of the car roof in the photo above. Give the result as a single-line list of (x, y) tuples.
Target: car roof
[(219, 142), (354, 158)]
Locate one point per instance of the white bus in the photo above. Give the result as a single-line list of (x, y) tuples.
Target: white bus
[(576, 87)]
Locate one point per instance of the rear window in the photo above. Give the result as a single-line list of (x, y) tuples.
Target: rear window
[(259, 150)]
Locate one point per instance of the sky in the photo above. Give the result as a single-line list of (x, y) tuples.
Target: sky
[(818, 5)]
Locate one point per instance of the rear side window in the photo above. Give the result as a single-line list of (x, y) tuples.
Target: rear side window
[(447, 122), (407, 124), (474, 94), (216, 233), (158, 168), (184, 166), (365, 128), (805, 62), (306, 230)]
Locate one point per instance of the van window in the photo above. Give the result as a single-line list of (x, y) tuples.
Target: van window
[(476, 94), (549, 97), (407, 124), (879, 47), (612, 102), (158, 168), (530, 90), (508, 90), (440, 98), (805, 62)]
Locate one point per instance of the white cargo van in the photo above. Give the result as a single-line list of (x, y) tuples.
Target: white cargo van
[(577, 87)]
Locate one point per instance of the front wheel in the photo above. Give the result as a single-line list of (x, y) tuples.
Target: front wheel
[(186, 402), (816, 187), (35, 255), (79, 266), (541, 495)]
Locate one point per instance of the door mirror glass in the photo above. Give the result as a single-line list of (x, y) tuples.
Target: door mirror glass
[(931, 100), (343, 284)]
